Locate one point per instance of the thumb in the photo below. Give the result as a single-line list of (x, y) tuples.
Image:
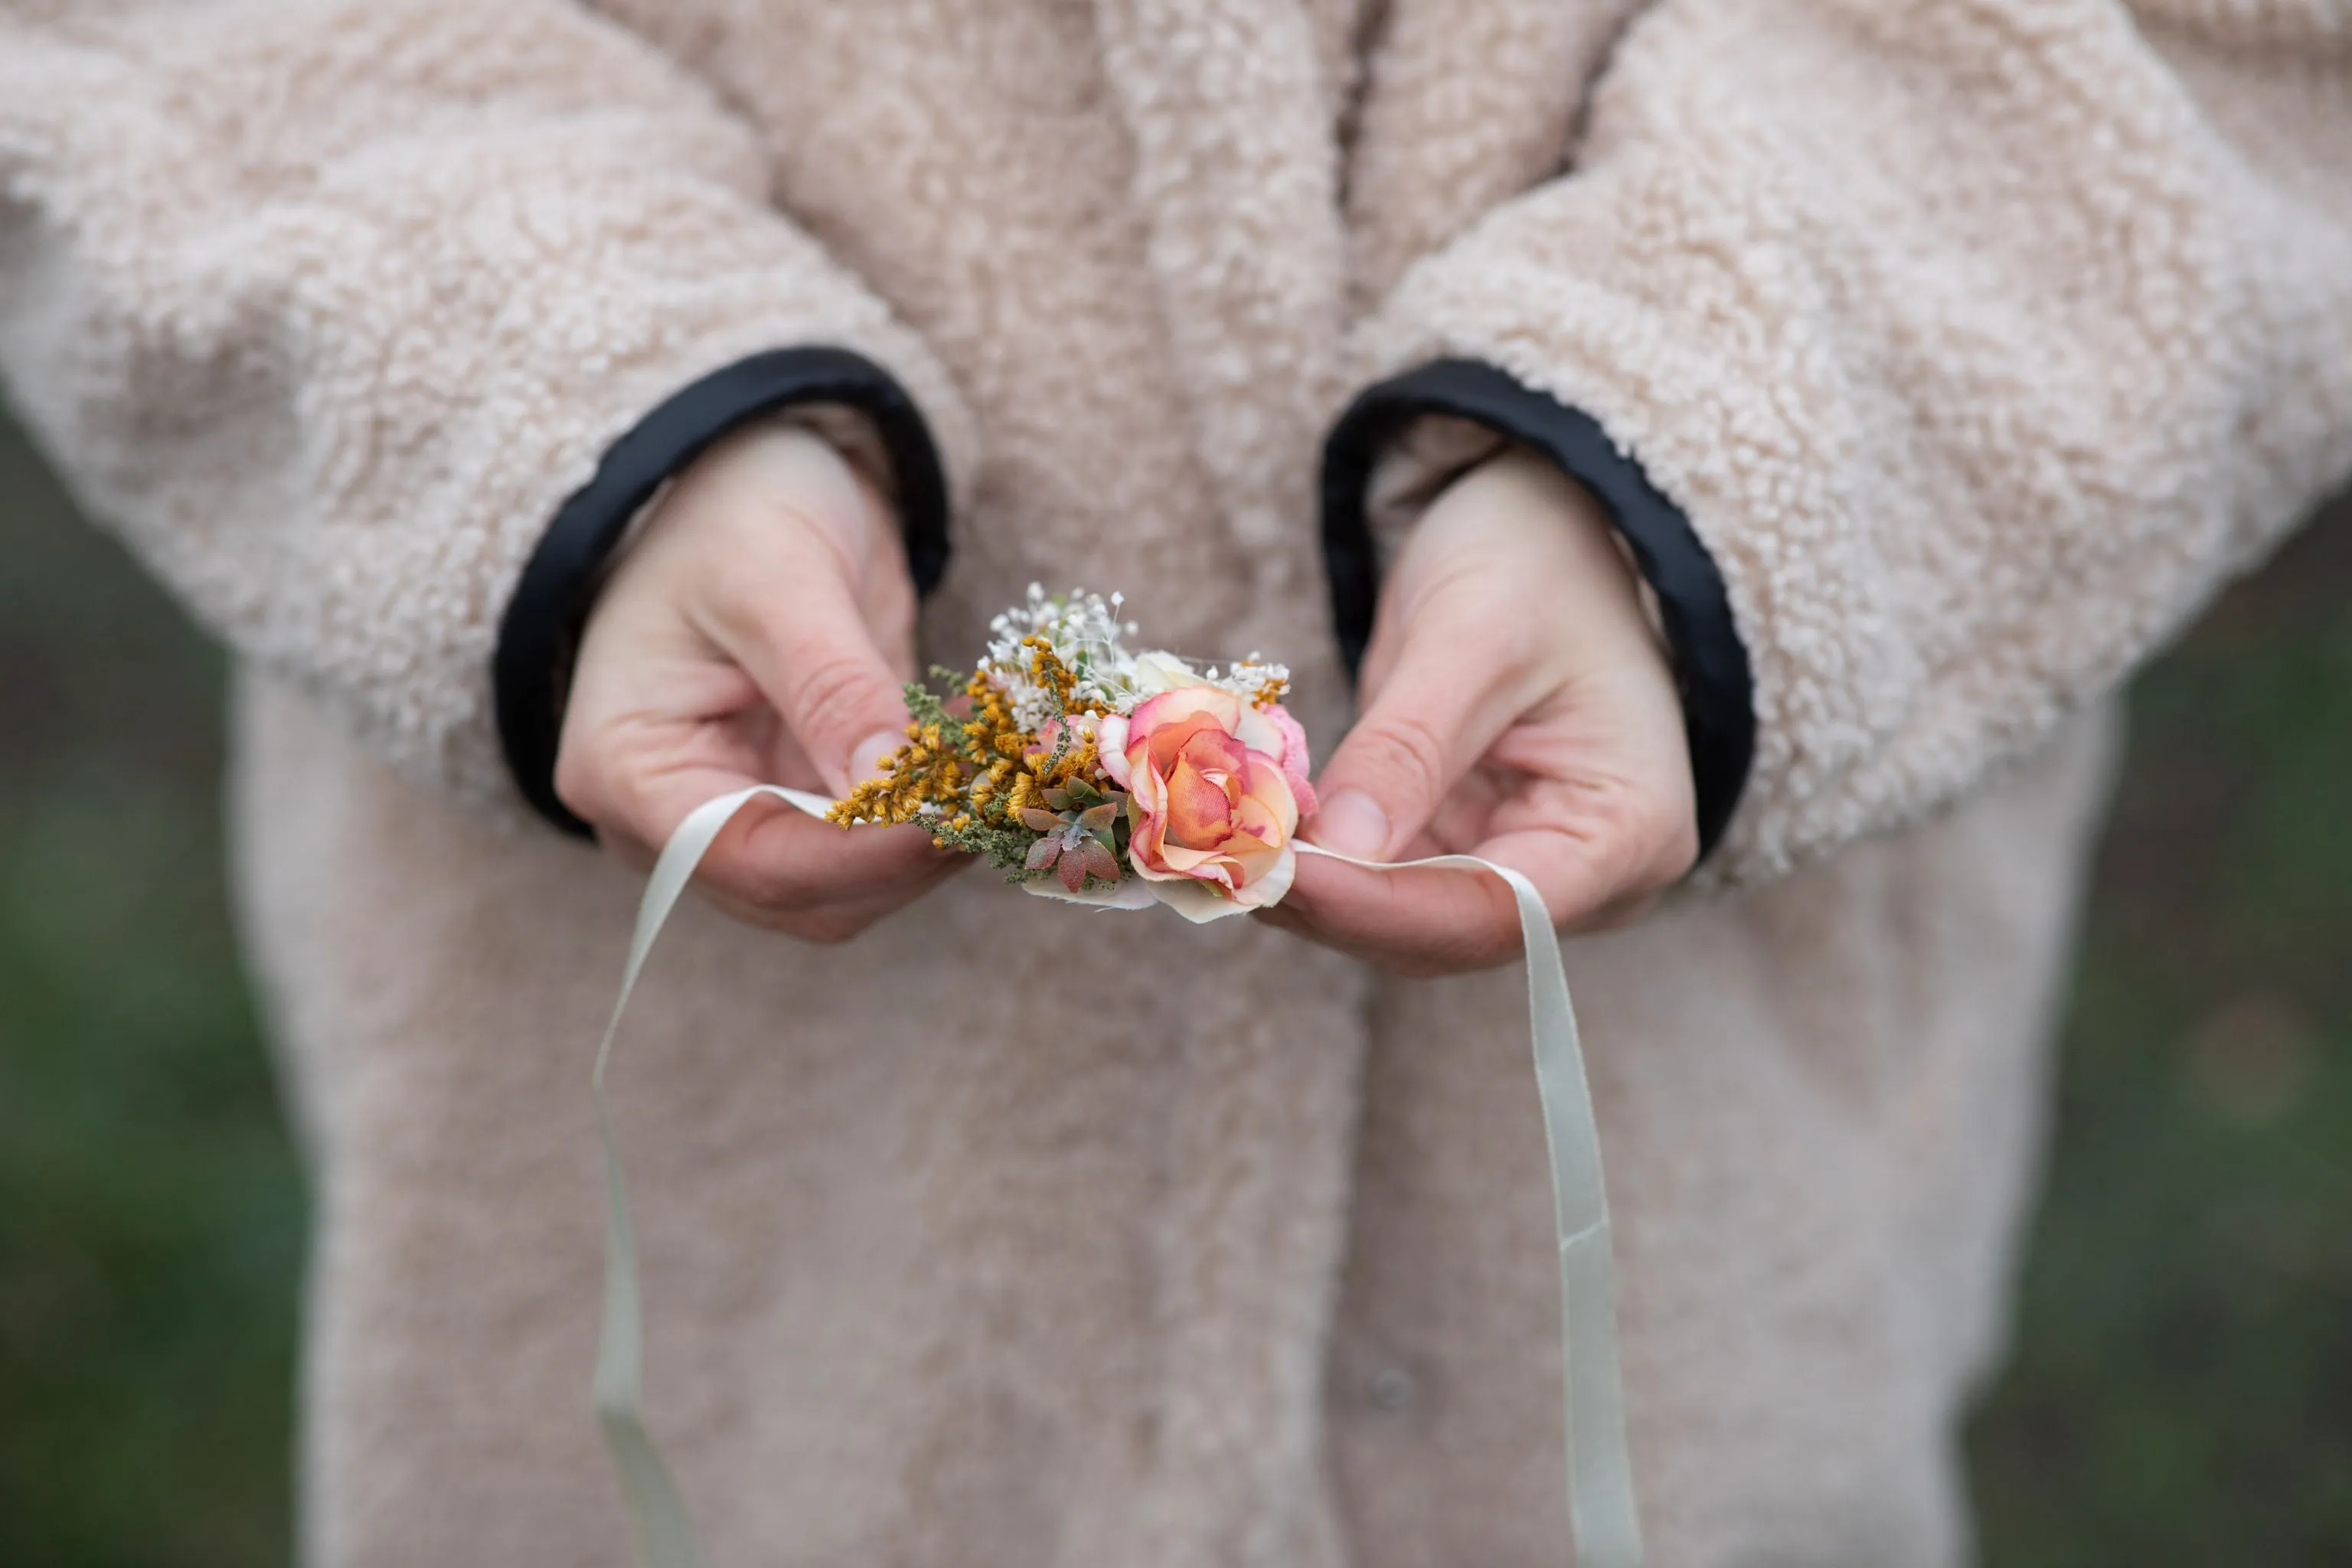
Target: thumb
[(811, 653), (1424, 729)]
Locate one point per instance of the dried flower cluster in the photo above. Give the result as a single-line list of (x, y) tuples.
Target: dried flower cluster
[(1079, 768)]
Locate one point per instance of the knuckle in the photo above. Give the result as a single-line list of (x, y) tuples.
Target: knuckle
[(1604, 852), (773, 889), (1505, 644), (834, 693), (1623, 823), (1658, 831), (1481, 933), (1463, 952), (1638, 841), (790, 891), (1407, 754), (778, 889)]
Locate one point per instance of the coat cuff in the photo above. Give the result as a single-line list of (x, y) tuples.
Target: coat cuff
[(538, 634), (1711, 666)]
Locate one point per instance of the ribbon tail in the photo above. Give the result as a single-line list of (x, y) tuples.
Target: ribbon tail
[(665, 1532), (1603, 1512), (1602, 1505)]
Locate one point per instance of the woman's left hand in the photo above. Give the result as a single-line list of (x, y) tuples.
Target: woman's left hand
[(1517, 706)]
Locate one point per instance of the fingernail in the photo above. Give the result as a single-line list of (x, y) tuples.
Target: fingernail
[(865, 762), (1353, 823)]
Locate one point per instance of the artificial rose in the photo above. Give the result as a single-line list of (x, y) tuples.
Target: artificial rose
[(1215, 787)]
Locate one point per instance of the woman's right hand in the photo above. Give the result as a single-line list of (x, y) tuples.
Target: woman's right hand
[(757, 632)]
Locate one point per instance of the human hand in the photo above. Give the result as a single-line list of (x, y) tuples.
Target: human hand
[(759, 631), (1516, 706)]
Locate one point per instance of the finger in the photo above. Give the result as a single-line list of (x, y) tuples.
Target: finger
[(776, 859), (837, 920), (1596, 845), (808, 647), (1592, 874), (1447, 697), (1589, 880), (1426, 920), (773, 858), (887, 598)]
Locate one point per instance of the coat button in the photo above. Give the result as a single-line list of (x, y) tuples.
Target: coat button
[(1392, 1388)]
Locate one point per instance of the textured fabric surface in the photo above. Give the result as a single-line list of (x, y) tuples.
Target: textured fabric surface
[(1979, 341), (329, 308)]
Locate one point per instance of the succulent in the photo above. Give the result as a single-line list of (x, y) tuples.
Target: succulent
[(1080, 833)]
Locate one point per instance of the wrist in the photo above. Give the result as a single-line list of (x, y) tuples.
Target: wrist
[(1603, 557), (1564, 553), (739, 478)]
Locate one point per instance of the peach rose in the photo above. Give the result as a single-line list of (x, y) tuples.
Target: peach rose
[(1215, 788)]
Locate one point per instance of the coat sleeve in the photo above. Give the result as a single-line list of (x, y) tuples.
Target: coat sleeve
[(327, 308), (1976, 344)]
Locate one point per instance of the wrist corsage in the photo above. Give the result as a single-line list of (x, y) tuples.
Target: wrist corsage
[(1089, 773)]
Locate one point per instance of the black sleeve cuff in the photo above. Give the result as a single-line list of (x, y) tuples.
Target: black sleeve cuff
[(540, 633), (1711, 664)]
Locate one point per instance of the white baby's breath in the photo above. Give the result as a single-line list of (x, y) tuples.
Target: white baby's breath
[(1087, 635)]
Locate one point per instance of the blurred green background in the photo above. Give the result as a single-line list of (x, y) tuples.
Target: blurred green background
[(2182, 1390)]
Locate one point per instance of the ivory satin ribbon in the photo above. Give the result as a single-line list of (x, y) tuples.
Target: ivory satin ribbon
[(1599, 1474)]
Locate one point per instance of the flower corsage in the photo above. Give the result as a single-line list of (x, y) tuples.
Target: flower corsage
[(1088, 773)]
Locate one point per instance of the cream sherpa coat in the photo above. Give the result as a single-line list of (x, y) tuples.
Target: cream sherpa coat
[(1979, 341)]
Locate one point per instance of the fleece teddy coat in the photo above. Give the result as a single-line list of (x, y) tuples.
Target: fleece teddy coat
[(1972, 344)]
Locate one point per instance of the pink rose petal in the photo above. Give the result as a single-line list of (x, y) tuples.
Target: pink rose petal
[(1200, 814), (1110, 740), (1293, 756)]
